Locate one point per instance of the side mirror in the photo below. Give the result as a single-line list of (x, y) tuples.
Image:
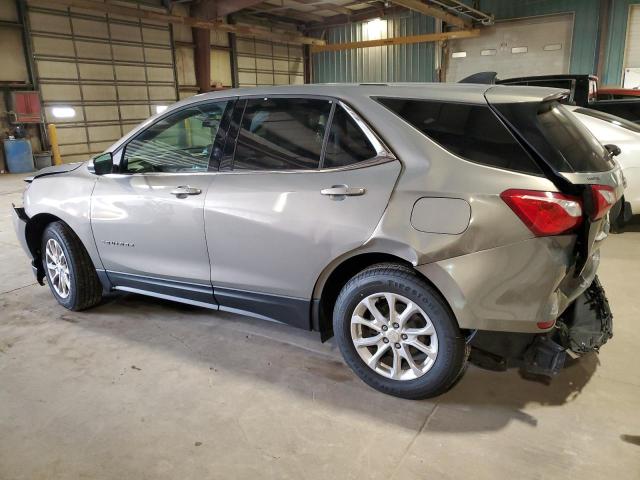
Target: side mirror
[(103, 164), (614, 150)]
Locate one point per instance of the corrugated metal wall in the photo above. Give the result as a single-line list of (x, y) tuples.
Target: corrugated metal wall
[(396, 63), (416, 62)]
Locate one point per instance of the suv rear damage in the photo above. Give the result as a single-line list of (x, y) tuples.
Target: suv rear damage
[(590, 184)]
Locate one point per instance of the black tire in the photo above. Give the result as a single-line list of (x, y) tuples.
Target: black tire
[(451, 359), (617, 217), (85, 289)]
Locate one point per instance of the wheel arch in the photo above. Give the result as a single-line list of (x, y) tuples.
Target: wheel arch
[(336, 275), (34, 231)]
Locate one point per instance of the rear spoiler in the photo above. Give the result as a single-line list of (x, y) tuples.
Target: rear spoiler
[(560, 96), (483, 78), (491, 78)]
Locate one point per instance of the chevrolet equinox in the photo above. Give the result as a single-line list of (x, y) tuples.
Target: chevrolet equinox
[(415, 223)]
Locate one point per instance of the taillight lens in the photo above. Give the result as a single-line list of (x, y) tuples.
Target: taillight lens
[(604, 198), (545, 213)]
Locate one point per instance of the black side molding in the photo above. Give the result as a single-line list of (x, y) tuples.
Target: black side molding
[(170, 288), (289, 310)]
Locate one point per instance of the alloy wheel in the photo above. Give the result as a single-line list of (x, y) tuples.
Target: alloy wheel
[(58, 268), (394, 336)]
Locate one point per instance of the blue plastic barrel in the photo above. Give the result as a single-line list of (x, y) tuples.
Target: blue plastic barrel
[(18, 155)]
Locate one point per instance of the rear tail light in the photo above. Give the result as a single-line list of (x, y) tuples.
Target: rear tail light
[(546, 325), (545, 213), (604, 198)]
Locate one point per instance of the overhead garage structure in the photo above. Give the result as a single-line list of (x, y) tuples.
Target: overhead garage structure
[(103, 66)]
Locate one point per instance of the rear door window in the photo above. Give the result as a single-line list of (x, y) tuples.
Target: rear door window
[(347, 144), (281, 134), (470, 131)]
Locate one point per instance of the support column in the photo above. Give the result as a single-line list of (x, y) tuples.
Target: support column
[(202, 58), (202, 44)]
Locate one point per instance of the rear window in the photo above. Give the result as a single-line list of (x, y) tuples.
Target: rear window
[(472, 132), (621, 122), (557, 136)]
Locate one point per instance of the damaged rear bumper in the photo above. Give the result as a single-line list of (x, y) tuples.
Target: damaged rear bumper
[(584, 327)]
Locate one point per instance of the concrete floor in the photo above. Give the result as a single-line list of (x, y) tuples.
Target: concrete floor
[(138, 388)]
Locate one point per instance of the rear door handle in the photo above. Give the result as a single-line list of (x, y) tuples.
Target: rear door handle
[(341, 191), (183, 190)]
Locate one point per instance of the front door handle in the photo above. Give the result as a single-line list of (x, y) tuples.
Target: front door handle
[(338, 192), (183, 190)]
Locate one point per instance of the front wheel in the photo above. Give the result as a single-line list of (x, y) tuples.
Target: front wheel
[(70, 273), (398, 334)]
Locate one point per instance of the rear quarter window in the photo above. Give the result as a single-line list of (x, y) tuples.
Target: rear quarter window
[(558, 137), (470, 131)]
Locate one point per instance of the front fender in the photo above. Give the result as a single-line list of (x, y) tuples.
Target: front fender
[(67, 197)]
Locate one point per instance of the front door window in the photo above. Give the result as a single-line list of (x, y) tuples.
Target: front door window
[(180, 142)]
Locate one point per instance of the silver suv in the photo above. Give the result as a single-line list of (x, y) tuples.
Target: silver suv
[(411, 222)]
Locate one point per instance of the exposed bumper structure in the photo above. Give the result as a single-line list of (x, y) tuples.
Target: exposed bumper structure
[(20, 219)]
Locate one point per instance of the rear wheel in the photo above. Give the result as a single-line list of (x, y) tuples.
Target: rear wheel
[(618, 216), (397, 333), (70, 273)]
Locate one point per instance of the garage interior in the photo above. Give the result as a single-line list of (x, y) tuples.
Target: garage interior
[(145, 388)]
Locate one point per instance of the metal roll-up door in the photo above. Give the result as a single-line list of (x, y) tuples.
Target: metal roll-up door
[(100, 74), (632, 49), (530, 46), (263, 62)]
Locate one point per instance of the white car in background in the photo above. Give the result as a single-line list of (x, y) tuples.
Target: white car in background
[(612, 130)]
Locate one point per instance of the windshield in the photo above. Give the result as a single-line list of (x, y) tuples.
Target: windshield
[(557, 136)]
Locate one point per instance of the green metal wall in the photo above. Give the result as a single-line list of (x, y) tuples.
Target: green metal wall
[(614, 53), (416, 62), (394, 63)]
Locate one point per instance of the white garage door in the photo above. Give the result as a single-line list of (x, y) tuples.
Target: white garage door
[(632, 49), (531, 46), (99, 75), (262, 62)]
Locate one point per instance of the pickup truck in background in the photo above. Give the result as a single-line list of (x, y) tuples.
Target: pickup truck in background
[(583, 92)]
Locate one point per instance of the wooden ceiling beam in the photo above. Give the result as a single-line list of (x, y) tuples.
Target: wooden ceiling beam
[(436, 12), (429, 37), (185, 20)]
